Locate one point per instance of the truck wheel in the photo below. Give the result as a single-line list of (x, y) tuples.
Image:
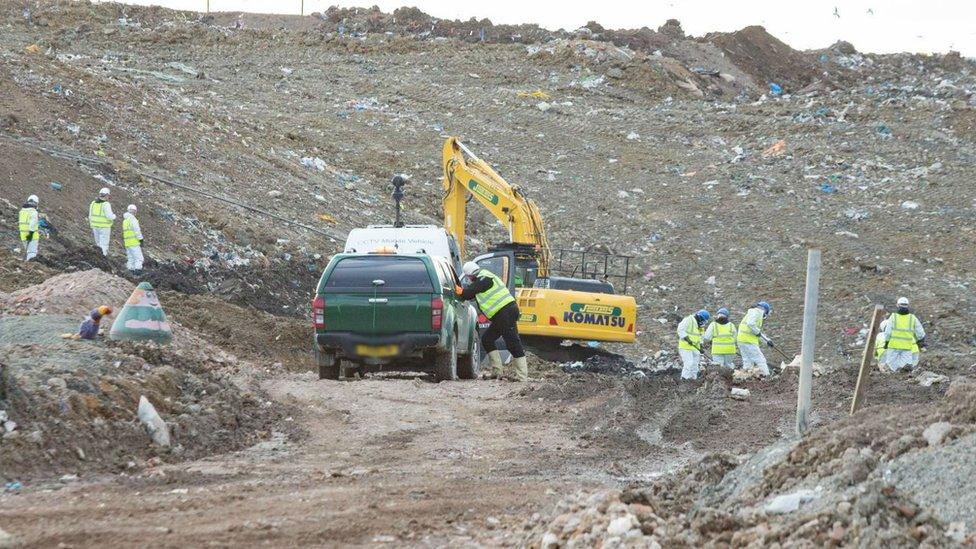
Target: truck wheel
[(446, 363), (469, 366), (328, 364)]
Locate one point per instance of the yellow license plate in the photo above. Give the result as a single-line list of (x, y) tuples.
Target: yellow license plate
[(377, 351)]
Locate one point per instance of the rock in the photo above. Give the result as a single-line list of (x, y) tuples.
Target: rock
[(621, 525), (543, 106), (739, 393), (549, 541), (68, 478), (787, 503), (615, 73), (275, 194), (154, 424), (934, 434), (632, 136), (909, 205)]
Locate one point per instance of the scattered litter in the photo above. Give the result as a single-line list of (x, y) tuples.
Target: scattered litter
[(776, 149), (543, 106), (314, 162), (56, 186), (68, 478), (13, 486), (828, 188), (928, 379), (537, 94), (909, 205), (632, 136), (884, 132), (775, 89), (33, 48)]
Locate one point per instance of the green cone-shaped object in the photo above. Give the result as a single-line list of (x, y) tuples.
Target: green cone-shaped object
[(142, 318)]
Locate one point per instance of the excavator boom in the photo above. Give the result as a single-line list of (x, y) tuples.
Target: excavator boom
[(551, 308), (467, 175)]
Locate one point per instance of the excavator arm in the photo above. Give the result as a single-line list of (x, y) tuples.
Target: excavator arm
[(465, 174)]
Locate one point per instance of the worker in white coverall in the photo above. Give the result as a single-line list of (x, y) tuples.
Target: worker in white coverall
[(689, 343), (132, 239), (721, 333), (28, 225), (749, 335), (100, 218), (904, 337)]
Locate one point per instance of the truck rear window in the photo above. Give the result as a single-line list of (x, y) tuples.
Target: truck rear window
[(399, 274)]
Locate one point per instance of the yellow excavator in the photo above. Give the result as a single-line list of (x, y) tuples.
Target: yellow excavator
[(562, 294)]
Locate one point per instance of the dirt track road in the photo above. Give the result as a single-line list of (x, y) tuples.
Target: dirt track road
[(398, 460)]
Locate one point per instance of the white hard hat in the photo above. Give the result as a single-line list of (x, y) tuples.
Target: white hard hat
[(131, 208), (470, 268), (32, 198), (903, 301), (104, 192)]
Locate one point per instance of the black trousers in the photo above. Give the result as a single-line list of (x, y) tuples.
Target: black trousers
[(504, 325)]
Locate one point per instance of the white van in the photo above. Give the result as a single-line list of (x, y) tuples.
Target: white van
[(409, 239)]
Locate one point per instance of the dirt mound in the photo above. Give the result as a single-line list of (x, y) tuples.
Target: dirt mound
[(68, 293), (74, 402), (765, 58)]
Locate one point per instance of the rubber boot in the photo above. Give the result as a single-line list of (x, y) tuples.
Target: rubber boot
[(521, 369), (495, 361)]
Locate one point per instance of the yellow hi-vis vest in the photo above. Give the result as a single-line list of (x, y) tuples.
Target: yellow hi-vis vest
[(96, 215), (129, 239), (902, 332), (745, 334), (492, 300), (694, 334), (879, 348), (723, 342), (24, 224)]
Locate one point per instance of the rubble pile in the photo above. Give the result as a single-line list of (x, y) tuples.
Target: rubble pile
[(72, 405), (884, 476)]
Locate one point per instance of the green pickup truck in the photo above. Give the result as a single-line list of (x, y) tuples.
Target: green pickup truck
[(393, 312)]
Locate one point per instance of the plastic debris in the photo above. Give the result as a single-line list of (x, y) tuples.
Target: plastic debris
[(155, 426), (828, 188), (775, 89), (314, 162), (776, 149), (33, 48), (13, 486), (884, 132), (909, 205), (787, 503), (142, 318), (537, 94)]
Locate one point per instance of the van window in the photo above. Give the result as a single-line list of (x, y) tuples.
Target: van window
[(399, 274)]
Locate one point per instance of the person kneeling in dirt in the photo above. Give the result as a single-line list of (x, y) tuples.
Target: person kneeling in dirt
[(89, 328), (904, 337), (498, 304)]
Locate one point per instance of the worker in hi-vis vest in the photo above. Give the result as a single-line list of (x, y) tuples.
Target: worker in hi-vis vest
[(689, 343), (904, 337), (132, 240), (498, 304), (100, 218), (749, 334), (28, 225), (721, 332)]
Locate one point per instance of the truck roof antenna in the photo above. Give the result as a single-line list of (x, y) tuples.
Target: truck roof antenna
[(398, 182)]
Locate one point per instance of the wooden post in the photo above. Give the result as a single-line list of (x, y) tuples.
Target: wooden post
[(808, 345), (867, 358), (208, 6), (303, 8)]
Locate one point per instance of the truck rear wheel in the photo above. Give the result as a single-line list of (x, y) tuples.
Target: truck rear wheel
[(469, 366), (328, 364), (446, 363)]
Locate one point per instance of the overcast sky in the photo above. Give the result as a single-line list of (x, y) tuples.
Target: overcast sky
[(873, 26)]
